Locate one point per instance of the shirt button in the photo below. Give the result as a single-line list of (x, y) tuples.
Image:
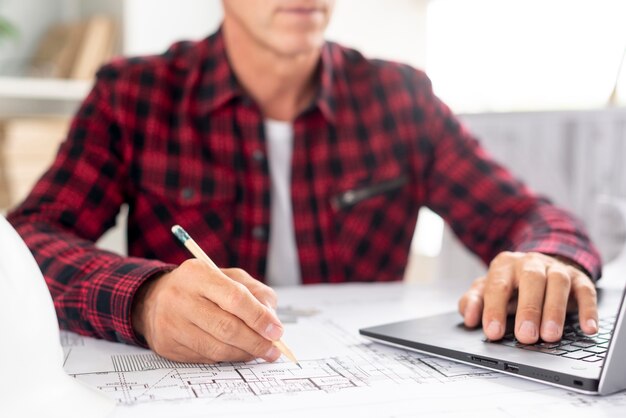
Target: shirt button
[(349, 197), (258, 156), (259, 233), (187, 193)]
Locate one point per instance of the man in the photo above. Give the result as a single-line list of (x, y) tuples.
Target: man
[(297, 161)]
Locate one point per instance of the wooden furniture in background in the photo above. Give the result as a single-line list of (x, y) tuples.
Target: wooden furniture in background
[(75, 50), (27, 147)]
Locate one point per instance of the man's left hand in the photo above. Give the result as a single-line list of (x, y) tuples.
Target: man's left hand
[(538, 289)]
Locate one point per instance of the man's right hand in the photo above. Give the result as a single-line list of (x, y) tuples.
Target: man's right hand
[(197, 314)]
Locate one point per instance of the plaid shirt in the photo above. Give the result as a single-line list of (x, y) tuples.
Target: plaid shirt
[(177, 139)]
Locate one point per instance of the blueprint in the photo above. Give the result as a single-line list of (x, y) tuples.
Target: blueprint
[(132, 375), (341, 374)]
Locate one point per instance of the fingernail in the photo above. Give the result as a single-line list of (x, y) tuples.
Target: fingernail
[(494, 329), (528, 329), (273, 332), (592, 325), (550, 329), (272, 354)]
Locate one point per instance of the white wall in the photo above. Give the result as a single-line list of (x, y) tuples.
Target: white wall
[(519, 55), (390, 29), (150, 26)]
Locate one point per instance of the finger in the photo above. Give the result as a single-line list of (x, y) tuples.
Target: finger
[(511, 307), (585, 293), (232, 331), (183, 354), (215, 350), (531, 276), (471, 304), (188, 343), (262, 292), (235, 298), (498, 290), (472, 308), (555, 302)]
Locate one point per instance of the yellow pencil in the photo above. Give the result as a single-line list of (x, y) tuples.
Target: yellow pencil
[(199, 253)]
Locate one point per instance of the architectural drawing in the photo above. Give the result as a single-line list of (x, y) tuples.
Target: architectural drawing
[(342, 374), (141, 376)]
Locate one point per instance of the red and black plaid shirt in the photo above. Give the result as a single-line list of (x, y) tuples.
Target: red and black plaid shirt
[(177, 139)]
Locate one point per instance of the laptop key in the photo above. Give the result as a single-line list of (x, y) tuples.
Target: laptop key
[(575, 343), (548, 345), (578, 355), (569, 348), (593, 359), (584, 344), (554, 351), (601, 338), (595, 350), (531, 348)]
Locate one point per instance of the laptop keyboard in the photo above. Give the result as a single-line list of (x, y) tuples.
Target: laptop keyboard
[(574, 344)]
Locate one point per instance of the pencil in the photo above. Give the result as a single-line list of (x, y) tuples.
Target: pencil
[(199, 253)]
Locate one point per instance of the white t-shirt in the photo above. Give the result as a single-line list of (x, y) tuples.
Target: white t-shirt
[(283, 265)]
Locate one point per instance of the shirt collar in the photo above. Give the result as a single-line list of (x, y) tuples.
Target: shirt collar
[(326, 99), (218, 83)]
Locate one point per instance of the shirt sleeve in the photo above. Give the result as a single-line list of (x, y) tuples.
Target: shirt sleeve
[(487, 208), (70, 207)]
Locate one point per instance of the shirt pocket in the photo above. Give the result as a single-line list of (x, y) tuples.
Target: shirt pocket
[(363, 188), (366, 192), (203, 206), (362, 209), (213, 188)]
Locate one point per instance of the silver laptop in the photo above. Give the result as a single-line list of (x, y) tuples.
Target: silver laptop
[(588, 364)]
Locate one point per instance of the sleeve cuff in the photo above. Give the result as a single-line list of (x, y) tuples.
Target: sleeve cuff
[(587, 259), (110, 299)]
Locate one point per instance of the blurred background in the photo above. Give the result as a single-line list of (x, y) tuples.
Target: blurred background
[(542, 83)]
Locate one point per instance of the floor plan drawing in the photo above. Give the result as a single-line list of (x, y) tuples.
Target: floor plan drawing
[(341, 373), (138, 375)]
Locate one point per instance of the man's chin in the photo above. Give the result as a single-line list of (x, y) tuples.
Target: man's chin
[(300, 46)]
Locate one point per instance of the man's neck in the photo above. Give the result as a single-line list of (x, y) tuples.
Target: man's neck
[(282, 86)]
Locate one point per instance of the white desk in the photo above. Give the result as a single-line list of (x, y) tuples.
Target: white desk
[(351, 377)]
